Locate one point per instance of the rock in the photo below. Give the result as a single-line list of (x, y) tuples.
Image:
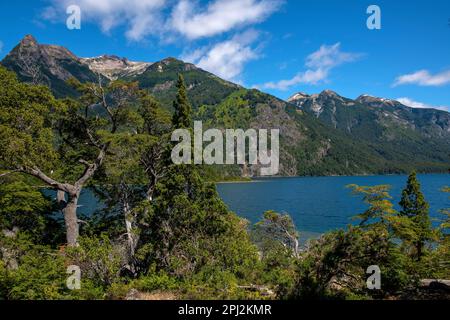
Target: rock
[(435, 284)]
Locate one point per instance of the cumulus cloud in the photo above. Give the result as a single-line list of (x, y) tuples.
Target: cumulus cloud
[(220, 16), (168, 18), (319, 65), (424, 78), (307, 77), (228, 58), (420, 105), (328, 57), (140, 17)]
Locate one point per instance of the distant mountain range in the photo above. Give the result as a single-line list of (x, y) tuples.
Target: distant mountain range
[(321, 134)]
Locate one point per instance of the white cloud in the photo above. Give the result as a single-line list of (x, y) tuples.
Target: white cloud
[(220, 16), (1, 46), (328, 57), (420, 105), (319, 64), (226, 59), (424, 78), (140, 17), (307, 77), (167, 18)]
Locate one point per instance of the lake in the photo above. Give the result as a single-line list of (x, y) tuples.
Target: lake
[(321, 204), (316, 204)]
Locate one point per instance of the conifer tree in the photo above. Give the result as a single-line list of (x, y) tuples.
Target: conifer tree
[(190, 226), (182, 115), (415, 207)]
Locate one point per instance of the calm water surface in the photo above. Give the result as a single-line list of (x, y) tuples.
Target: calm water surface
[(320, 204), (317, 204)]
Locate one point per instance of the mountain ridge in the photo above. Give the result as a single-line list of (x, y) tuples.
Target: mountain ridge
[(321, 134)]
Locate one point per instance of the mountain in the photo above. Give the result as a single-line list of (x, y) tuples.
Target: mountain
[(321, 134), (430, 122), (47, 64), (354, 116), (396, 132), (203, 87), (113, 67)]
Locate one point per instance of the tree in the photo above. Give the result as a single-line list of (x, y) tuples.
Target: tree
[(183, 110), (131, 172), (60, 143), (278, 228), (157, 126), (22, 208), (378, 199), (415, 208), (381, 215), (190, 227)]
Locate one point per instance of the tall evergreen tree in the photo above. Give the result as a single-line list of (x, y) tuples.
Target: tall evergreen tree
[(182, 115), (415, 207), (189, 224)]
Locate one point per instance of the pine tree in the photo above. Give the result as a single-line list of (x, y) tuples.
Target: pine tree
[(190, 225), (415, 207), (182, 115)]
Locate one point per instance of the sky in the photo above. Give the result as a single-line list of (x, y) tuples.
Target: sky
[(278, 46)]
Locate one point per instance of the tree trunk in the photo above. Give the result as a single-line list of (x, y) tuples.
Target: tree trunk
[(129, 221), (296, 248), (419, 247), (71, 219)]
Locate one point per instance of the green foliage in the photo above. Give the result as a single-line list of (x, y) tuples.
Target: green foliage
[(100, 260), (32, 272), (23, 207), (163, 227), (416, 209), (183, 110), (335, 265), (26, 119), (204, 87), (276, 232)]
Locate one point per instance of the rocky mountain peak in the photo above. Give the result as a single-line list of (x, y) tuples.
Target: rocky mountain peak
[(329, 93), (114, 67), (377, 102), (298, 96), (29, 41)]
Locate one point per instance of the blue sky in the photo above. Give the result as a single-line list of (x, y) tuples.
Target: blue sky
[(280, 47)]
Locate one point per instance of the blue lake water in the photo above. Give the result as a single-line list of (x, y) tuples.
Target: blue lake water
[(321, 204), (317, 204)]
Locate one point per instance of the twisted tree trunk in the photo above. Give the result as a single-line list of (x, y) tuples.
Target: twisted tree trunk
[(71, 220)]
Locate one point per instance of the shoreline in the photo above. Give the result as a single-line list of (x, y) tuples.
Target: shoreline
[(262, 179)]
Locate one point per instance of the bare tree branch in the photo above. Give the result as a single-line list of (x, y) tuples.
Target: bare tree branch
[(36, 172), (8, 173)]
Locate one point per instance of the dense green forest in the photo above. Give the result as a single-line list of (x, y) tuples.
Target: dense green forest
[(164, 232)]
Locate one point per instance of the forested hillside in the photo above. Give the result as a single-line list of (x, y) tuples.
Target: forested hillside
[(323, 134)]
